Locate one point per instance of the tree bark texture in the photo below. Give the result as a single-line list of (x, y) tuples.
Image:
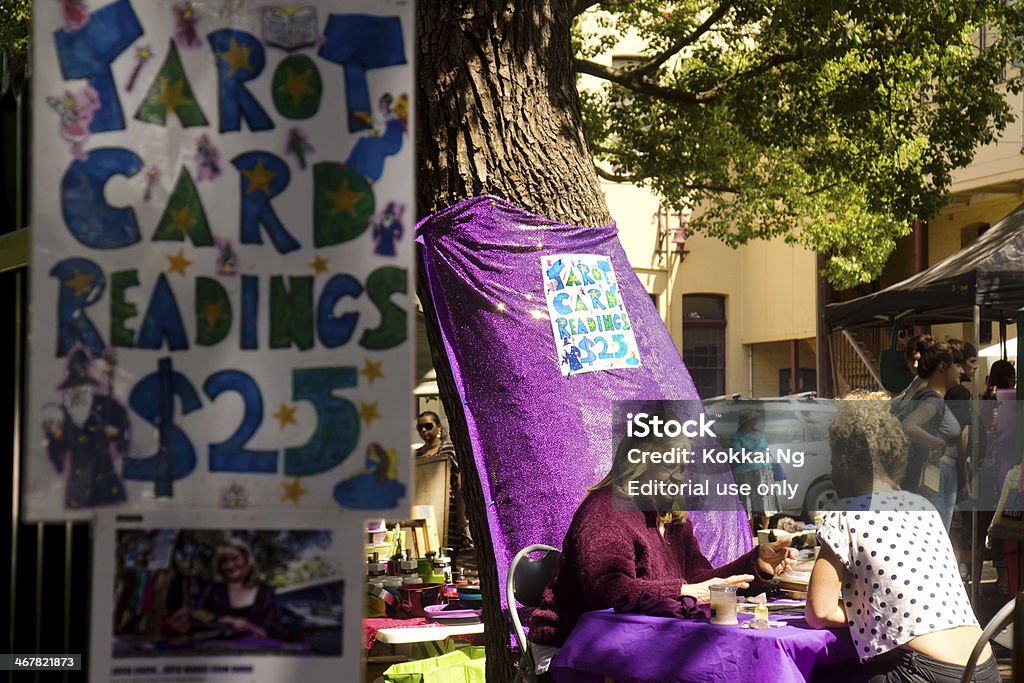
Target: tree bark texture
[(498, 113)]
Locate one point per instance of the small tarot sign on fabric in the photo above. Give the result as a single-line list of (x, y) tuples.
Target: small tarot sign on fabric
[(589, 321)]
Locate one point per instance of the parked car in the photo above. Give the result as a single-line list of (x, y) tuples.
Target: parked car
[(790, 424)]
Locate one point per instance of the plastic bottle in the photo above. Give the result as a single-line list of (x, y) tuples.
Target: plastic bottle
[(374, 567), (409, 568)]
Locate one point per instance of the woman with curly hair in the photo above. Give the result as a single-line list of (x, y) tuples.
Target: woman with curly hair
[(886, 568)]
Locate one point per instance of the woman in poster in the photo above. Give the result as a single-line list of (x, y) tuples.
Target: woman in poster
[(238, 600)]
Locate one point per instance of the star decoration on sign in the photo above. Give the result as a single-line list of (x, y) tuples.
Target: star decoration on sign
[(293, 491), (343, 200), (297, 85), (371, 370), (286, 415), (318, 264), (236, 56), (212, 314), (171, 94), (258, 178), (368, 412), (181, 220), (178, 263), (80, 283)]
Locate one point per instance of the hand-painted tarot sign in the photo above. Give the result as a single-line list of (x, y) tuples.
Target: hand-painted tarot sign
[(221, 254), (588, 318)]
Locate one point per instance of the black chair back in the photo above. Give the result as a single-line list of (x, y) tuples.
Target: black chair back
[(533, 576)]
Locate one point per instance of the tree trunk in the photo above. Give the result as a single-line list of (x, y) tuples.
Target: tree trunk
[(498, 113)]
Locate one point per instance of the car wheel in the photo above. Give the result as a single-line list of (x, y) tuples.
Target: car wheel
[(819, 496)]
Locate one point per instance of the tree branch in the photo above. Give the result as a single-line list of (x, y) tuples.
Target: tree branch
[(756, 70), (702, 187), (581, 6), (615, 178), (710, 187), (652, 64), (644, 87), (640, 87)]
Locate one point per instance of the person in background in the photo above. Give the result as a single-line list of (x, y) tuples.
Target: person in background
[(629, 547), (885, 554), (750, 439), (428, 424), (933, 430), (958, 399), (998, 432), (911, 356)]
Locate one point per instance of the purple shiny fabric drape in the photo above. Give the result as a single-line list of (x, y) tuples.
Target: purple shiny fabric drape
[(540, 439)]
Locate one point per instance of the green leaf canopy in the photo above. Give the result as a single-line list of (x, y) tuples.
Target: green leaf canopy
[(831, 124)]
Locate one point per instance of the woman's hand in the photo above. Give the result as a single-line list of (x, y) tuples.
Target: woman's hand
[(937, 449), (776, 558), (242, 625), (702, 591)]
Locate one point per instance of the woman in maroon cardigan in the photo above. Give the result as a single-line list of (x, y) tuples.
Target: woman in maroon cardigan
[(615, 551)]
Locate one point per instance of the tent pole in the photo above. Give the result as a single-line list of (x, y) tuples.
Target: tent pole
[(975, 469)]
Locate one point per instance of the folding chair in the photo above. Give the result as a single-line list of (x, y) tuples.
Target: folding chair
[(525, 584), (993, 628)]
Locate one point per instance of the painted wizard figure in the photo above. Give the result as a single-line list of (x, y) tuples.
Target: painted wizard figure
[(84, 437)]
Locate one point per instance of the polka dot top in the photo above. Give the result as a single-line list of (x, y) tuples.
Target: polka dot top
[(901, 578)]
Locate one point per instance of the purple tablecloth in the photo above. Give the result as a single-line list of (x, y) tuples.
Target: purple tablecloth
[(635, 648)]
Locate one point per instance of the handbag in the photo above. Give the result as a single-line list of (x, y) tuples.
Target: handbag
[(931, 478), (779, 472)]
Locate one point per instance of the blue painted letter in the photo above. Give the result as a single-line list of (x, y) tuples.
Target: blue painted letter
[(90, 219), (81, 285), (240, 58), (359, 43), (89, 52), (263, 175)]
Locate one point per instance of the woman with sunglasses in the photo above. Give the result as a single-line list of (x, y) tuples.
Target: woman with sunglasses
[(428, 424)]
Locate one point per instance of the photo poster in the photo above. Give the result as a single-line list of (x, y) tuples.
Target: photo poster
[(588, 318), (163, 606), (221, 257)]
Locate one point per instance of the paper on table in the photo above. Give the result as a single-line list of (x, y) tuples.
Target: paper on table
[(784, 605), (795, 579)]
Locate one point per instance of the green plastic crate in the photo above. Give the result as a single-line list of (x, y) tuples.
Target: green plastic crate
[(461, 666)]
